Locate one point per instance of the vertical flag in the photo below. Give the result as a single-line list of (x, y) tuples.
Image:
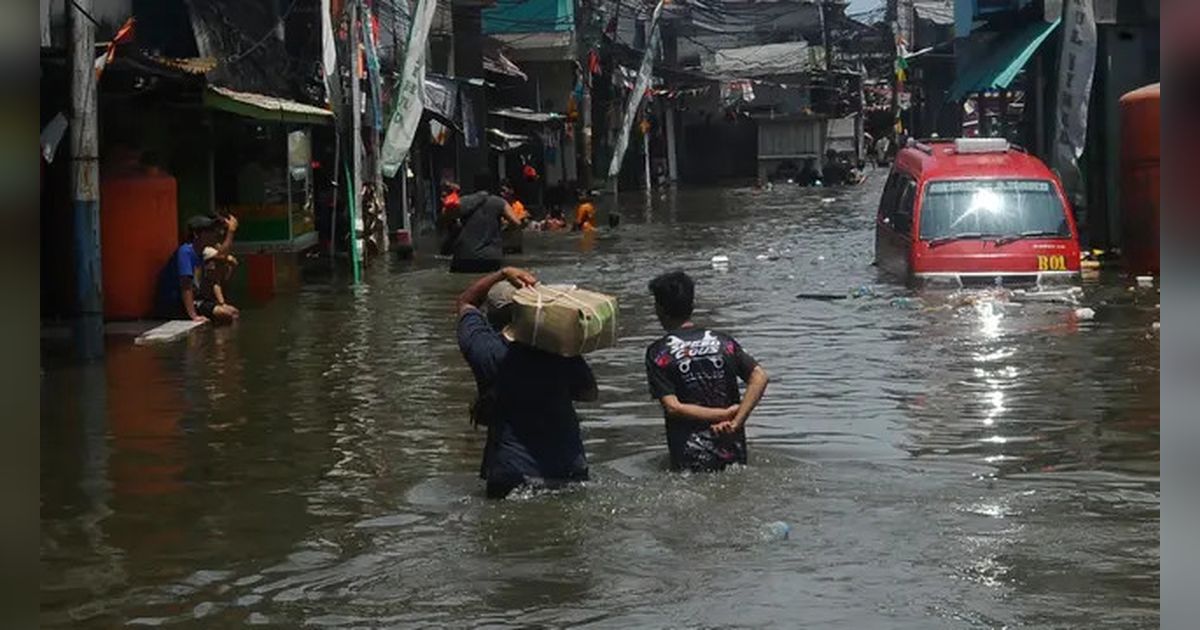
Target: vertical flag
[(1075, 67), (411, 93), (636, 95)]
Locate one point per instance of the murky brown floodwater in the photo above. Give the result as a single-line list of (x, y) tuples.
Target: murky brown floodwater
[(978, 466)]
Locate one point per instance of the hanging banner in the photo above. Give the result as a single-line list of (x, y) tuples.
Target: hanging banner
[(373, 71), (328, 50), (638, 93), (410, 94), (1075, 68)]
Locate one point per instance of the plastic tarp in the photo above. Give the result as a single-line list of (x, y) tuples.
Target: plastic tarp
[(764, 60), (940, 12), (997, 70), (527, 115)]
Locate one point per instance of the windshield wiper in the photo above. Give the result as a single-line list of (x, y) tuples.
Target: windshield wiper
[(1010, 238), (942, 240)]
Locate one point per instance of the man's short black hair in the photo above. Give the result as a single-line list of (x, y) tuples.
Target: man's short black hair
[(675, 294)]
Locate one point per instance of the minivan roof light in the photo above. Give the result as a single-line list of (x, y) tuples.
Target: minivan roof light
[(980, 145)]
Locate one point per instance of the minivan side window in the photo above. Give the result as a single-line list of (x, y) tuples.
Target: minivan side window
[(902, 218), (890, 196)]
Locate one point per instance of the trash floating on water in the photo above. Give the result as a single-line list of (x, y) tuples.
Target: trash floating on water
[(1085, 314), (825, 297), (777, 530), (720, 262), (1155, 326), (828, 199), (863, 291), (762, 257), (1145, 281), (906, 303)]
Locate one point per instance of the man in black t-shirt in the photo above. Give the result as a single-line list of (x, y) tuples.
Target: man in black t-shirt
[(693, 372), (478, 246)]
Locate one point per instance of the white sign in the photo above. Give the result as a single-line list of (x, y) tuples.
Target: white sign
[(635, 97), (1075, 69), (411, 94)]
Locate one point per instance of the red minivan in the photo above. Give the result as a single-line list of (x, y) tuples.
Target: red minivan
[(975, 212)]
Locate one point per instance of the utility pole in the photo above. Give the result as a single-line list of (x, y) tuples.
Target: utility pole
[(356, 221), (85, 182), (895, 30)]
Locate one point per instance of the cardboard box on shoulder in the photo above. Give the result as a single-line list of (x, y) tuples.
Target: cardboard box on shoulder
[(564, 320)]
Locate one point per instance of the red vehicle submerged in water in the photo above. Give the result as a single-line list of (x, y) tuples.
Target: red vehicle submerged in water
[(975, 212)]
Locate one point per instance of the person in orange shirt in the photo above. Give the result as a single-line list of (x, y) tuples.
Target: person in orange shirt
[(514, 240), (585, 214), (510, 195)]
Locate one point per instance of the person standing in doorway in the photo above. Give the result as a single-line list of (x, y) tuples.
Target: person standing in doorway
[(693, 372), (479, 245)]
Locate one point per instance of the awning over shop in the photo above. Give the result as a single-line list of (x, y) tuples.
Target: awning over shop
[(503, 141), (263, 107), (527, 115), (997, 70)]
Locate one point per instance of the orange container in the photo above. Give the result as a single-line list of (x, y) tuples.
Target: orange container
[(1140, 155), (139, 231)]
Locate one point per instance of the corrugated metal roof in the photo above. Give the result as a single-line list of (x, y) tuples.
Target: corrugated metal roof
[(527, 115), (940, 12), (764, 60)]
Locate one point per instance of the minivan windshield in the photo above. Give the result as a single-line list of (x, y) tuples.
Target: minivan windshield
[(1002, 208)]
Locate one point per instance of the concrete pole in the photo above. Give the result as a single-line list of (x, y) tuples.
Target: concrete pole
[(672, 158), (587, 128), (646, 153), (356, 102), (860, 119), (85, 182)]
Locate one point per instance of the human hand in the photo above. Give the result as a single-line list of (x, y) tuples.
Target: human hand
[(727, 425), (200, 318), (231, 223), (519, 277)]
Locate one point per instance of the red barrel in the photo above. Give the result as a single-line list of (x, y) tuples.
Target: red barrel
[(1139, 178), (139, 230)]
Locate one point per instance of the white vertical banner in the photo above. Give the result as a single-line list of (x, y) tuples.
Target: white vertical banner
[(328, 50), (1076, 66), (410, 97), (638, 93)]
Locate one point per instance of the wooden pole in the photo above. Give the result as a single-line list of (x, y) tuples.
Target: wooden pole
[(85, 182)]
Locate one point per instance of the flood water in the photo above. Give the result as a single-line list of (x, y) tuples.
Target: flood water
[(941, 463)]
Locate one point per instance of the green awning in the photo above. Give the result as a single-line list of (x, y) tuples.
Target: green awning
[(263, 107), (997, 70)]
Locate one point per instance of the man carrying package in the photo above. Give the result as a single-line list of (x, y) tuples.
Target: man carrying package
[(526, 394), (693, 372)]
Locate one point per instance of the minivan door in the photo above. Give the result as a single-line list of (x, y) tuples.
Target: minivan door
[(894, 225)]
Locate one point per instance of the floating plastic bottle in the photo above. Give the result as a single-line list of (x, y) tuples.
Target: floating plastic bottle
[(777, 530)]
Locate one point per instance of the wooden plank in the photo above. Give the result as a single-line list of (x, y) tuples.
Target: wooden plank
[(167, 332)]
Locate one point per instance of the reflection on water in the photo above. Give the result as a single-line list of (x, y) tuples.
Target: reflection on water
[(943, 461)]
